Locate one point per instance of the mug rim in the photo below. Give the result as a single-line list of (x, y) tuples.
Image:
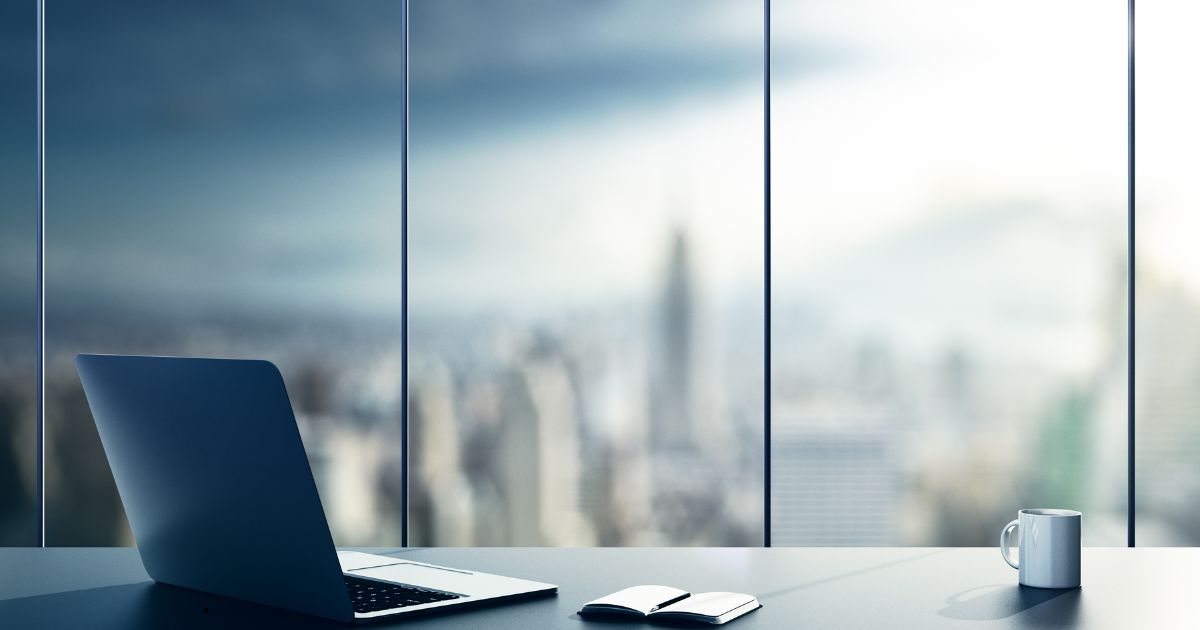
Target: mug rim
[(1050, 512)]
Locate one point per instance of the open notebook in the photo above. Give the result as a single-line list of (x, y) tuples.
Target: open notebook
[(664, 602)]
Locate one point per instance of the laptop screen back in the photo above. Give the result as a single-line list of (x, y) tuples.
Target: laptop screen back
[(215, 482)]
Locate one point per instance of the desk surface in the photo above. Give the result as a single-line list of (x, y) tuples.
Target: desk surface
[(798, 587)]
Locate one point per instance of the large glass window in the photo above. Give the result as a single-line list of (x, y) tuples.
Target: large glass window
[(585, 260), (585, 273), (1168, 278), (224, 180), (18, 265), (949, 221)]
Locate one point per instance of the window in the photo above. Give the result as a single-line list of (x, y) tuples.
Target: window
[(1168, 279), (226, 181), (585, 269), (585, 279), (949, 215), (18, 269)]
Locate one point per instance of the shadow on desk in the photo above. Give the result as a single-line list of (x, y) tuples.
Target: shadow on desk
[(1000, 601), (150, 605)]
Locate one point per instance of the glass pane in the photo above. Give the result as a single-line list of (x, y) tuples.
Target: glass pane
[(224, 180), (586, 273), (18, 271), (1167, 397), (948, 315)]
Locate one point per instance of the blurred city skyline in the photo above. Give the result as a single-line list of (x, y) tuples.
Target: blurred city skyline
[(585, 259)]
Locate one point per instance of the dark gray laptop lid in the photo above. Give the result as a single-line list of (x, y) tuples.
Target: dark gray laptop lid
[(209, 464)]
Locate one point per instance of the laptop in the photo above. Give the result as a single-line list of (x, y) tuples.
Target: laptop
[(209, 464)]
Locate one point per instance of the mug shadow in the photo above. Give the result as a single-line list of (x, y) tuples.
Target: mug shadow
[(1000, 601)]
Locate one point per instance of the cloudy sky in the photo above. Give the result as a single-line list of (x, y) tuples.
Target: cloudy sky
[(246, 155), (246, 152)]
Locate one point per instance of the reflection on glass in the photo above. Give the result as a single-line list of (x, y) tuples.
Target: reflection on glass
[(18, 238), (1167, 396), (948, 330), (585, 273), (224, 180)]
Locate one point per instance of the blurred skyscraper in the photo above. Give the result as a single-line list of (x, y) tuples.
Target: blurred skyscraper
[(671, 423)]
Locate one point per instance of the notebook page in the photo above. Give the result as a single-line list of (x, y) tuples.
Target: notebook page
[(640, 598), (708, 604)]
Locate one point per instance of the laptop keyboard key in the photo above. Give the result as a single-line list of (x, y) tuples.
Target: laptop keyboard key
[(371, 596)]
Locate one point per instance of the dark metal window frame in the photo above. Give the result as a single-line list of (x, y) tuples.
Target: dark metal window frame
[(41, 280), (1132, 262)]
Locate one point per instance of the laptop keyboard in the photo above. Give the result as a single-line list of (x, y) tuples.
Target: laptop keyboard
[(371, 596)]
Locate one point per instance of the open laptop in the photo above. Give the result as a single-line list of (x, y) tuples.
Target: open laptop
[(218, 491)]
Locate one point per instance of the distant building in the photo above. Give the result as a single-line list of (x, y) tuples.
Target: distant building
[(838, 479), (686, 484), (671, 421)]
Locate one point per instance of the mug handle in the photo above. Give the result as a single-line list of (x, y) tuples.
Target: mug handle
[(1004, 544)]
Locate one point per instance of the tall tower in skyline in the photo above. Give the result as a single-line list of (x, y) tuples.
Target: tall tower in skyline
[(671, 425)]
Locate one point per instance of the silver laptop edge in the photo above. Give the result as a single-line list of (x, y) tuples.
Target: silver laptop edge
[(488, 588)]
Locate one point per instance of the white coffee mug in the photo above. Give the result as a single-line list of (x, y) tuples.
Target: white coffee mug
[(1050, 547)]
